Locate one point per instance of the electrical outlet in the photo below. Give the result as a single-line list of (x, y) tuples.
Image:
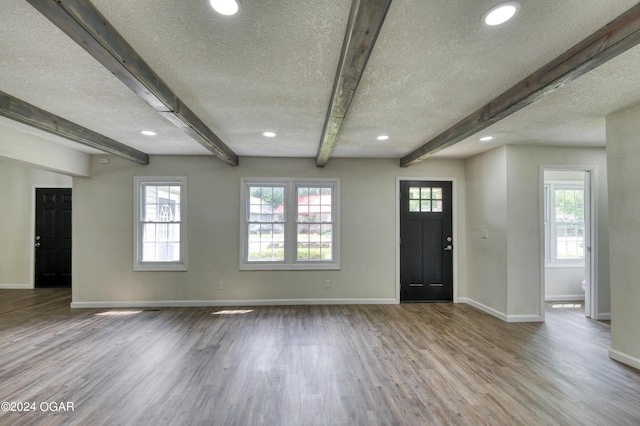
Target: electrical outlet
[(220, 285), (327, 283)]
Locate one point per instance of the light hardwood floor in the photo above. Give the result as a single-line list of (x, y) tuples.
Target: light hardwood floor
[(410, 364)]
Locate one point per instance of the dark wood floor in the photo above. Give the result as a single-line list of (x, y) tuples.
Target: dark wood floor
[(410, 364)]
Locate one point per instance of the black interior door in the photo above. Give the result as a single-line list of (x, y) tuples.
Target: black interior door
[(53, 237), (426, 241)]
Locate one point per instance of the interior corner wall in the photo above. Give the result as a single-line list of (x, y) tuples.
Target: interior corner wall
[(17, 224), (525, 224), (103, 233), (503, 199), (623, 152), (486, 211)]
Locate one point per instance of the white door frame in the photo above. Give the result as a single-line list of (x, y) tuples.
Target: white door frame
[(454, 219), (591, 236)]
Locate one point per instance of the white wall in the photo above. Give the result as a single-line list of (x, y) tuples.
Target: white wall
[(562, 283), (503, 197), (25, 147), (17, 219), (486, 202), (525, 228), (103, 225), (623, 152)]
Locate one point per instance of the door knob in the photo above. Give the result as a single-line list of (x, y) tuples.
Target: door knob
[(37, 244), (449, 247)]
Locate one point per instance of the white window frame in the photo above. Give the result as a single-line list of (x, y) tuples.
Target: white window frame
[(290, 201), (139, 183), (550, 230)]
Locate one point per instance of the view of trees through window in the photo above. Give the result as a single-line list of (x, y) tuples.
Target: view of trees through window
[(269, 211), (569, 223)]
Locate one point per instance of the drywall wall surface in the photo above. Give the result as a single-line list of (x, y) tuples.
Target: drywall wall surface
[(17, 226), (30, 149), (525, 165), (103, 231), (623, 152), (486, 203)]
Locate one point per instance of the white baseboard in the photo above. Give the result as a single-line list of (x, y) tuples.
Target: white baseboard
[(203, 303), (603, 317), (15, 287), (498, 314), (564, 298), (624, 358)]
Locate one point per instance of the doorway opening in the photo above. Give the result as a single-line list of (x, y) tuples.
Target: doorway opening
[(568, 212)]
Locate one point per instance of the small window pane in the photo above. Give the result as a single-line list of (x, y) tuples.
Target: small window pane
[(436, 193), (436, 206), (425, 206), (425, 193), (266, 242), (314, 205), (569, 220), (414, 193), (414, 205)]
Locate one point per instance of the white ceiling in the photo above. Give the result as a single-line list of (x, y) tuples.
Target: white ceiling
[(272, 67)]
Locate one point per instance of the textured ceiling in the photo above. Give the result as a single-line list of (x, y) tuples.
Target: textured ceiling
[(272, 67)]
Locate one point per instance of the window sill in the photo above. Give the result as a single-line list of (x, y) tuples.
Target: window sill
[(160, 267), (289, 266), (568, 264)]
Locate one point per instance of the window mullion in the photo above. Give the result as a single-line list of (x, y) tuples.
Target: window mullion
[(291, 220)]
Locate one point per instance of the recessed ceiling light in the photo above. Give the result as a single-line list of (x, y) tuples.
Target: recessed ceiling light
[(486, 138), (269, 134), (225, 7), (501, 13), (382, 137), (148, 133)]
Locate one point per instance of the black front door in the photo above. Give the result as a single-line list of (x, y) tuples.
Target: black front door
[(426, 241), (53, 237)]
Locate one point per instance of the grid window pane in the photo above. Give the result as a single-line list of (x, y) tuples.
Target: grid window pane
[(290, 224), (569, 220), (161, 217), (266, 242), (266, 231), (314, 223), (425, 199)]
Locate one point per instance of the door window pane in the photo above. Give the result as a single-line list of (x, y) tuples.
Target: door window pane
[(425, 199)]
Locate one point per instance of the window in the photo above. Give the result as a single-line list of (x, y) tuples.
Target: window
[(425, 199), (159, 222), (564, 223), (290, 224)]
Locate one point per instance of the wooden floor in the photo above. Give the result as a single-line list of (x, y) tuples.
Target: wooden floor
[(410, 364)]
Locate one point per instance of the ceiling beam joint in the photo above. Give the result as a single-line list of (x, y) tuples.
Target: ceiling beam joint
[(83, 23), (616, 37), (23, 112)]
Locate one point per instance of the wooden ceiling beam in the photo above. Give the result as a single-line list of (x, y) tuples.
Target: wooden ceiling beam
[(83, 23), (365, 21), (617, 37), (23, 112)]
